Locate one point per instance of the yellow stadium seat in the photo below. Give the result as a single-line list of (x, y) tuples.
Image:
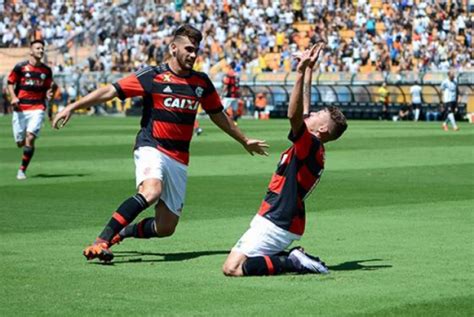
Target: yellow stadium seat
[(303, 26), (376, 4), (379, 26), (273, 60), (347, 34)]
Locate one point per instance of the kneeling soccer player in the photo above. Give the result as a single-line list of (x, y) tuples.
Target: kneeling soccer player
[(281, 218)]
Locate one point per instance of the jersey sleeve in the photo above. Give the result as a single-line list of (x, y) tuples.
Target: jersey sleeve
[(129, 87), (303, 141), (211, 102), (14, 76)]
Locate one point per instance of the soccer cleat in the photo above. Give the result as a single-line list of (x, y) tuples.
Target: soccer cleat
[(99, 250), (115, 240), (306, 263), (20, 175), (456, 128), (445, 127), (198, 131)]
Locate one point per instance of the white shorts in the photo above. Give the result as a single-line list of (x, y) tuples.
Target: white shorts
[(150, 163), (27, 121), (264, 238), (230, 102)]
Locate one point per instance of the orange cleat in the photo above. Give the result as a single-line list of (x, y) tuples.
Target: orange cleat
[(445, 127), (99, 250)]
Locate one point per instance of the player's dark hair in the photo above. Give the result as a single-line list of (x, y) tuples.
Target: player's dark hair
[(37, 41), (340, 123), (188, 31)]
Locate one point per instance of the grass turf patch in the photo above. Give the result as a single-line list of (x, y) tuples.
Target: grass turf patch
[(392, 217)]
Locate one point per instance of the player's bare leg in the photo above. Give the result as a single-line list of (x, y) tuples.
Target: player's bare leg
[(28, 150), (233, 264), (151, 190), (30, 139), (165, 220)]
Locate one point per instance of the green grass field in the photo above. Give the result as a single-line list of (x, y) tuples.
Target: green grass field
[(392, 217)]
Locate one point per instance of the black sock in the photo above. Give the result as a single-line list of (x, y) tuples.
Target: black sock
[(125, 214), (28, 152), (144, 229), (267, 265)]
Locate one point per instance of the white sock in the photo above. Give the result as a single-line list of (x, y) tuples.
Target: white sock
[(451, 119), (417, 114)]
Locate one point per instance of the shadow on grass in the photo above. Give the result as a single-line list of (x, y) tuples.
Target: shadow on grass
[(59, 175), (122, 257), (356, 265)]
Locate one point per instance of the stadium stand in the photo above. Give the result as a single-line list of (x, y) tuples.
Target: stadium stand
[(406, 35), (368, 41)]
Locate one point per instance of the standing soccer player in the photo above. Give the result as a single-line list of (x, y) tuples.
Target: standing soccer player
[(450, 99), (281, 218), (172, 93), (29, 84), (416, 100)]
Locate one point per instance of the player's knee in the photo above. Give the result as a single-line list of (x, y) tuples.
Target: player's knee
[(151, 194), (231, 269), (165, 230), (30, 139)]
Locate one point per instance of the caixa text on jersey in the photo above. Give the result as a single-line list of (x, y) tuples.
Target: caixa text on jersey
[(181, 103)]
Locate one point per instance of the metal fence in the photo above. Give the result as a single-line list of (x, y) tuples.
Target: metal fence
[(341, 89)]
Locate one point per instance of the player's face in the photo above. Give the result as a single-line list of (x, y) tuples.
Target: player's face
[(185, 52), (37, 50), (319, 123)]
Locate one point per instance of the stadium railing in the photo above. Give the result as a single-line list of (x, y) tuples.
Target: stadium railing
[(355, 94)]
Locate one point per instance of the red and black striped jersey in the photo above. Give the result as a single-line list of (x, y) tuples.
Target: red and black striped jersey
[(298, 172), (31, 84), (170, 105)]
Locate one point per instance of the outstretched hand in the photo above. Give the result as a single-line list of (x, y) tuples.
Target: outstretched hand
[(61, 118), (256, 146), (308, 58)]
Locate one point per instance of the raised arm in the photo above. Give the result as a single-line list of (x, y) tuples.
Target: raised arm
[(307, 60), (295, 108), (228, 126), (308, 76), (98, 96)]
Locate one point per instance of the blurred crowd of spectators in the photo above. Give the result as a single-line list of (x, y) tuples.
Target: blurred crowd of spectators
[(256, 35)]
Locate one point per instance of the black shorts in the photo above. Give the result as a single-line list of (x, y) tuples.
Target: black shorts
[(416, 105), (451, 106)]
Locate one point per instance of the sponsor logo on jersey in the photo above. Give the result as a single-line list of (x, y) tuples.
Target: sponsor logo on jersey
[(27, 75), (43, 76), (168, 89), (34, 82), (181, 103), (167, 78)]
